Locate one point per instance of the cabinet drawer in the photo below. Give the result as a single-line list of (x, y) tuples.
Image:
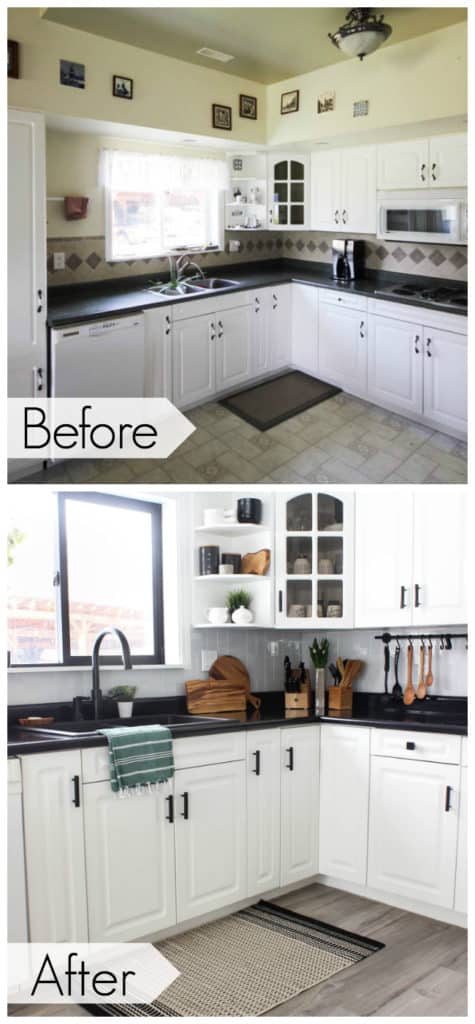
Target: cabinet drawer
[(345, 301), (189, 752), (416, 746), (214, 304)]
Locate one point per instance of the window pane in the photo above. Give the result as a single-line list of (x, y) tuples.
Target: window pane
[(32, 634), (110, 583), (135, 225), (185, 219)]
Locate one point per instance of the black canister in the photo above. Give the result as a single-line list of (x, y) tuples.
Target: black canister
[(249, 510), (228, 558), (209, 560)]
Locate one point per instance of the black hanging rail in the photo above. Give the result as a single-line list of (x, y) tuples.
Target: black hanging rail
[(446, 638)]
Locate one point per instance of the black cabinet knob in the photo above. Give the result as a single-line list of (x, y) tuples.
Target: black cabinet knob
[(410, 745)]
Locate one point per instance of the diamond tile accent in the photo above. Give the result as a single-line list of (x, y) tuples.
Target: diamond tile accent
[(324, 247), (437, 258), (381, 252), (458, 259), (73, 261), (249, 245), (399, 254), (269, 243), (416, 256), (93, 260), (279, 244), (311, 246), (288, 243), (300, 245), (260, 245)]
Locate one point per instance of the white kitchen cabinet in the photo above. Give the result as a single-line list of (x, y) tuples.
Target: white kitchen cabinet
[(403, 164), (54, 847), (287, 192), (342, 346), (448, 161), (260, 357), (325, 177), (344, 802), (263, 810), (233, 347), (413, 829), (26, 255), (343, 190), (130, 862), (461, 874), (16, 878), (314, 559), (440, 557), (395, 364), (299, 803), (445, 380), (194, 355), (210, 837), (305, 328), (158, 353), (279, 326)]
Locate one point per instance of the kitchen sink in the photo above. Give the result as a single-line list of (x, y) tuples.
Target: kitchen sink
[(92, 728), (180, 290), (213, 284)]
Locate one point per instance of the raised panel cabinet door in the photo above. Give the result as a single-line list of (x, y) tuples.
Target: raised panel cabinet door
[(210, 837), (448, 161), (158, 353), (194, 348), (279, 326), (130, 863), (233, 347), (440, 557), (461, 875), (342, 347), (413, 829), (54, 847), (383, 559), (26, 255), (395, 364), (305, 328), (403, 165), (325, 183), (299, 803), (445, 380), (344, 802), (358, 189), (263, 810), (260, 354)]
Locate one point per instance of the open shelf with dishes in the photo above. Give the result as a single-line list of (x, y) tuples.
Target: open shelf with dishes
[(245, 204)]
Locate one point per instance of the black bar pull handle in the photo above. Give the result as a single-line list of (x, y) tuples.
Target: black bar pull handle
[(417, 595), (77, 791), (185, 811), (290, 765), (170, 816), (402, 603), (448, 791), (280, 601), (257, 769)]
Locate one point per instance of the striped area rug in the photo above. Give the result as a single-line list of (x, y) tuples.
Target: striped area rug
[(248, 963)]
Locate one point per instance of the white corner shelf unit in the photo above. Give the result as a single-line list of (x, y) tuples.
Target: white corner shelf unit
[(251, 175)]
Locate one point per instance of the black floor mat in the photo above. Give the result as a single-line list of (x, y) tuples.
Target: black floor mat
[(265, 405)]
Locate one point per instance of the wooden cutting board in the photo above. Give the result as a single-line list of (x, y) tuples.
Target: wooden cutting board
[(228, 667), (208, 696)]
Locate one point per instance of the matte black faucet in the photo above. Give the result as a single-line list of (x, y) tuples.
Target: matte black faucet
[(96, 692)]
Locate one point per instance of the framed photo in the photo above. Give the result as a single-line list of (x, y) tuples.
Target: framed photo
[(73, 74), (289, 102), (13, 59), (325, 102), (222, 117), (122, 87), (248, 107)]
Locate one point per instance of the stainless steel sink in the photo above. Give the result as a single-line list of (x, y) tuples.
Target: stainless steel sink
[(92, 728), (169, 290), (213, 284)]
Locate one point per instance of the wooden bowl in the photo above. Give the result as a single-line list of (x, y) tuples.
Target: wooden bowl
[(35, 721)]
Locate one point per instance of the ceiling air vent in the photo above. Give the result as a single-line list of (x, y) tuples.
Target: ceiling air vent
[(224, 58)]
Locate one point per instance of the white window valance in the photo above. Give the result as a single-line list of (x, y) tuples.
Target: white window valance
[(155, 172)]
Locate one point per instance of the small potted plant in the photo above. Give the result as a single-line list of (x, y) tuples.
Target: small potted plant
[(319, 655), (124, 695), (238, 604)]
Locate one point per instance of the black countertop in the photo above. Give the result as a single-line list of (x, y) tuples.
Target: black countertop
[(72, 303), (435, 714)]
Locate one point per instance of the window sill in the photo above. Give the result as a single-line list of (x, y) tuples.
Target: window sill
[(17, 669)]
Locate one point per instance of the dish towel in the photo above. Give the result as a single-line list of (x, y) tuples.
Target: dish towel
[(139, 757)]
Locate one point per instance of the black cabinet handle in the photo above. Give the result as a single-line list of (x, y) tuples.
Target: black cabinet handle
[(402, 603), (410, 745), (170, 816), (423, 177), (433, 170), (417, 590), (185, 810), (280, 600), (448, 791), (428, 345), (77, 791), (290, 765), (257, 769)]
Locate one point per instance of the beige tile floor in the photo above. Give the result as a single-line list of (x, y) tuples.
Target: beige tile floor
[(343, 440)]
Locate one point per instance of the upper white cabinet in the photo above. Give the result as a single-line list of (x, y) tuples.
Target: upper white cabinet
[(287, 192), (263, 810), (26, 255), (438, 162), (314, 559), (344, 802), (299, 803), (343, 187), (411, 557), (342, 341)]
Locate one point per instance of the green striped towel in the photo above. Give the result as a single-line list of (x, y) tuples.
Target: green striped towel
[(139, 756)]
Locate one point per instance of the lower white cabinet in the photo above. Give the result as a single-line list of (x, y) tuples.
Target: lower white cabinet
[(194, 354), (278, 326), (413, 829), (299, 803), (344, 802), (130, 862), (54, 847), (233, 347), (263, 810), (16, 880), (461, 875), (210, 837), (158, 353), (305, 328), (395, 364), (342, 346), (445, 380)]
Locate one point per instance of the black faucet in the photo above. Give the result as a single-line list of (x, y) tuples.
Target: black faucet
[(96, 692)]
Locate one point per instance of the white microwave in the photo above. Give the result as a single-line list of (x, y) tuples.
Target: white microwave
[(438, 215)]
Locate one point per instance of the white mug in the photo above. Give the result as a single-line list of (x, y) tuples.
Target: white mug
[(218, 516), (217, 616)]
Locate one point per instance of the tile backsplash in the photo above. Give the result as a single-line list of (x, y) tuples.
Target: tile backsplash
[(85, 257)]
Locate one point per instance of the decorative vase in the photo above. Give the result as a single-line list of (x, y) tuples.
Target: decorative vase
[(319, 691), (125, 708), (242, 616)]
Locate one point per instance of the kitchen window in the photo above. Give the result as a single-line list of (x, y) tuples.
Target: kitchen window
[(80, 563)]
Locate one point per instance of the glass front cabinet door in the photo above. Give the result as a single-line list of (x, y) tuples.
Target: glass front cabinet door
[(287, 192), (314, 559)]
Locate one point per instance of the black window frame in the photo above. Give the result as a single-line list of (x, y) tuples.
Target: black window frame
[(115, 501)]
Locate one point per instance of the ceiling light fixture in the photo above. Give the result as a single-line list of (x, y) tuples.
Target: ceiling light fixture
[(223, 58), (362, 33)]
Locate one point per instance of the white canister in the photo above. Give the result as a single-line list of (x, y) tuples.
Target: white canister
[(125, 708), (242, 616), (326, 566), (217, 616)]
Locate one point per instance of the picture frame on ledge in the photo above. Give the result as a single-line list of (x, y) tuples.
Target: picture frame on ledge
[(222, 117), (123, 87), (289, 102), (248, 107), (13, 59)]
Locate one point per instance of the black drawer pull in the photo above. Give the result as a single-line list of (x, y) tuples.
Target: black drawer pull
[(170, 816), (448, 791), (77, 791), (185, 811), (410, 745), (257, 769), (290, 765), (417, 598), (402, 603)]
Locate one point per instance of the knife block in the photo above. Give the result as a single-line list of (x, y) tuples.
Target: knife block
[(302, 700), (340, 698)]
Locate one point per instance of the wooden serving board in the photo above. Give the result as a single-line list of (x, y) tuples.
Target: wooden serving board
[(207, 696), (230, 668)]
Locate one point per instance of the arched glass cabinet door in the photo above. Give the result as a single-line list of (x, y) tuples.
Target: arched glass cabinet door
[(331, 556), (288, 187)]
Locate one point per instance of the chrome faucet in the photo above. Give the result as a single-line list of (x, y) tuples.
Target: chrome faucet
[(183, 264), (96, 692)]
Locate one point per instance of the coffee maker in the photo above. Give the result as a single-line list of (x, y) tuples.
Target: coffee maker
[(347, 258)]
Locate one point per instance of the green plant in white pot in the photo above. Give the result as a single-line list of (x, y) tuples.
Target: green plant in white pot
[(124, 695), (238, 603)]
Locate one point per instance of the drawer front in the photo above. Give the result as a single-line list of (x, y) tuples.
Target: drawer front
[(215, 303), (344, 301), (189, 752), (416, 746)]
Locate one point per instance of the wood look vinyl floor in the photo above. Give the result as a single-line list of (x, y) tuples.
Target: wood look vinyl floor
[(421, 972)]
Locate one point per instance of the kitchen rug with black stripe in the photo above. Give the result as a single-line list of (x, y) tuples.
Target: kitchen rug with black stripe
[(265, 405), (248, 963)]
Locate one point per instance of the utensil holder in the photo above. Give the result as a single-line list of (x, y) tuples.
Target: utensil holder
[(302, 700), (340, 698)]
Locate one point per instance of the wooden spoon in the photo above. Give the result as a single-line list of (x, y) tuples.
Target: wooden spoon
[(429, 676), (409, 693), (421, 687)]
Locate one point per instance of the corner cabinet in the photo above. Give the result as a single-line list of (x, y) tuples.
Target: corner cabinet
[(314, 559), (300, 749), (287, 193)]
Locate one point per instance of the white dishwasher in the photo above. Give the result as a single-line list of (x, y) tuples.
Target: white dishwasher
[(99, 359)]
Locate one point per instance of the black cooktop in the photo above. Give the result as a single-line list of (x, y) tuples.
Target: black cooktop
[(444, 296)]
